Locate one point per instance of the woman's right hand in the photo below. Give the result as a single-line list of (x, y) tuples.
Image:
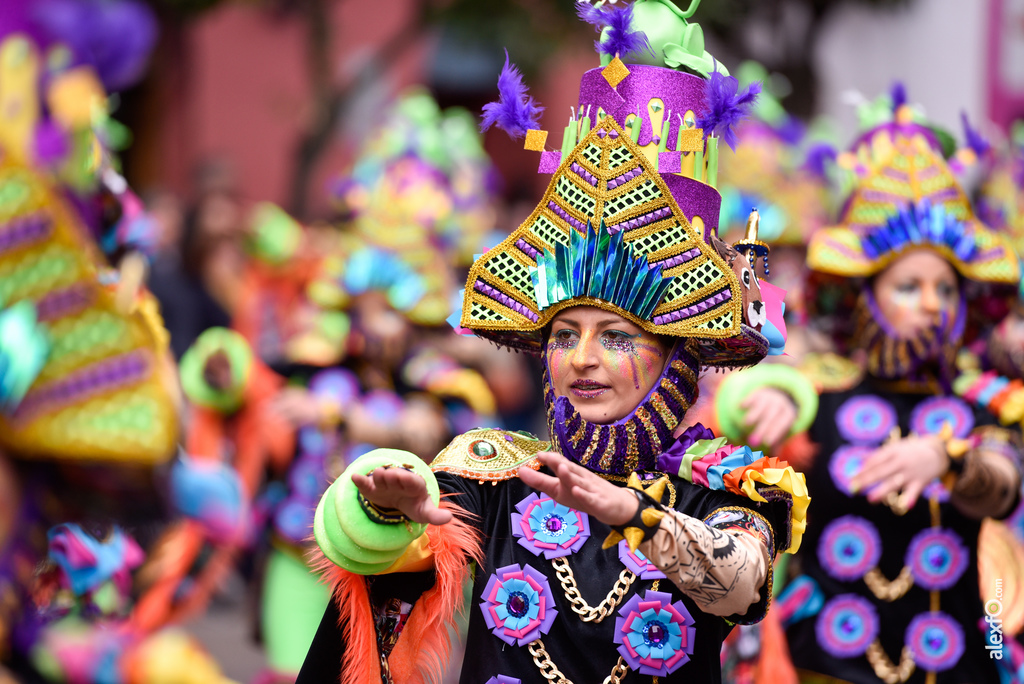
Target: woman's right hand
[(401, 489), (770, 415)]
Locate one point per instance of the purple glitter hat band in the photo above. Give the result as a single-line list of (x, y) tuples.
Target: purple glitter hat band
[(679, 91)]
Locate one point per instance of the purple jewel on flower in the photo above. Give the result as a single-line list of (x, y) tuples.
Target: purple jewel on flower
[(654, 635), (544, 526), (502, 679), (638, 563), (518, 605)]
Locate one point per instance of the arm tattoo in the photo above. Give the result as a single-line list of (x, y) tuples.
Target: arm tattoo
[(722, 571)]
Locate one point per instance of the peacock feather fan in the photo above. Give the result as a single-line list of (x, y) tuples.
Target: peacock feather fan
[(600, 265)]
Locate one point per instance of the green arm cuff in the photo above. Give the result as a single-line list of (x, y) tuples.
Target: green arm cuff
[(350, 537), (736, 387)]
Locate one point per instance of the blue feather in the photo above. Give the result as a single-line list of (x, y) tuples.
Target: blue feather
[(515, 112)]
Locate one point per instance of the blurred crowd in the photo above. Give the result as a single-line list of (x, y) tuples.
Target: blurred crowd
[(181, 378)]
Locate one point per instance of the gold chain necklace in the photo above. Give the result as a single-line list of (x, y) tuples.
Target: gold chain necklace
[(589, 613), (885, 669), (550, 671)]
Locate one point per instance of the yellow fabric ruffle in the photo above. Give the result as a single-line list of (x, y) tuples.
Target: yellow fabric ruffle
[(790, 481)]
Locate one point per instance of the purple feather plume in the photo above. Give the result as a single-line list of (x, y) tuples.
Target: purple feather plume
[(819, 157), (898, 94), (594, 16), (620, 39), (975, 140), (116, 37), (515, 112), (726, 106)]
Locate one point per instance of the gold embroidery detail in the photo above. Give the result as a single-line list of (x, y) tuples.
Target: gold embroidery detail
[(510, 451)]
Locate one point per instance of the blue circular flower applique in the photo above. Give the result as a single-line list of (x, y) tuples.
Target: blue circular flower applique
[(849, 547), (518, 605), (866, 419), (638, 563), (847, 625), (544, 526), (931, 415), (936, 640), (655, 636), (937, 558)]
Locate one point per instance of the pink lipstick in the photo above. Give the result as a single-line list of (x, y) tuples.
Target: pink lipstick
[(588, 389)]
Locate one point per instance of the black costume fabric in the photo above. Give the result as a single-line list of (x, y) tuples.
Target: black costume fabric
[(850, 425), (583, 652)]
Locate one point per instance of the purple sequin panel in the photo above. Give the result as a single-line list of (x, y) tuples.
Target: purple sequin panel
[(527, 249), (83, 384), (696, 199), (23, 231), (678, 91), (483, 288), (567, 217), (64, 302), (694, 309), (584, 174)]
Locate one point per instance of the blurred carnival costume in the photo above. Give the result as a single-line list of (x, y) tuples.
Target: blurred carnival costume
[(889, 590), (627, 227), (88, 391), (338, 318)]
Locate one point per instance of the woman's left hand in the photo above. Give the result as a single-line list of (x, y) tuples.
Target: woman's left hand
[(576, 487), (905, 467)]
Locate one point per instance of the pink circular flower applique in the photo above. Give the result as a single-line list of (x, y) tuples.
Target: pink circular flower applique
[(518, 605), (544, 526), (655, 636)]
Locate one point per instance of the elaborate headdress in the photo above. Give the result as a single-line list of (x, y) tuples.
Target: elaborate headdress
[(1001, 198), (906, 197), (102, 391), (628, 217), (628, 224), (778, 169)]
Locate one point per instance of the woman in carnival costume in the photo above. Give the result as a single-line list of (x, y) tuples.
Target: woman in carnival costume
[(613, 280), (906, 471)]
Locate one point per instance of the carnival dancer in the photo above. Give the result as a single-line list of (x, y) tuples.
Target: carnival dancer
[(614, 281), (906, 471)]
